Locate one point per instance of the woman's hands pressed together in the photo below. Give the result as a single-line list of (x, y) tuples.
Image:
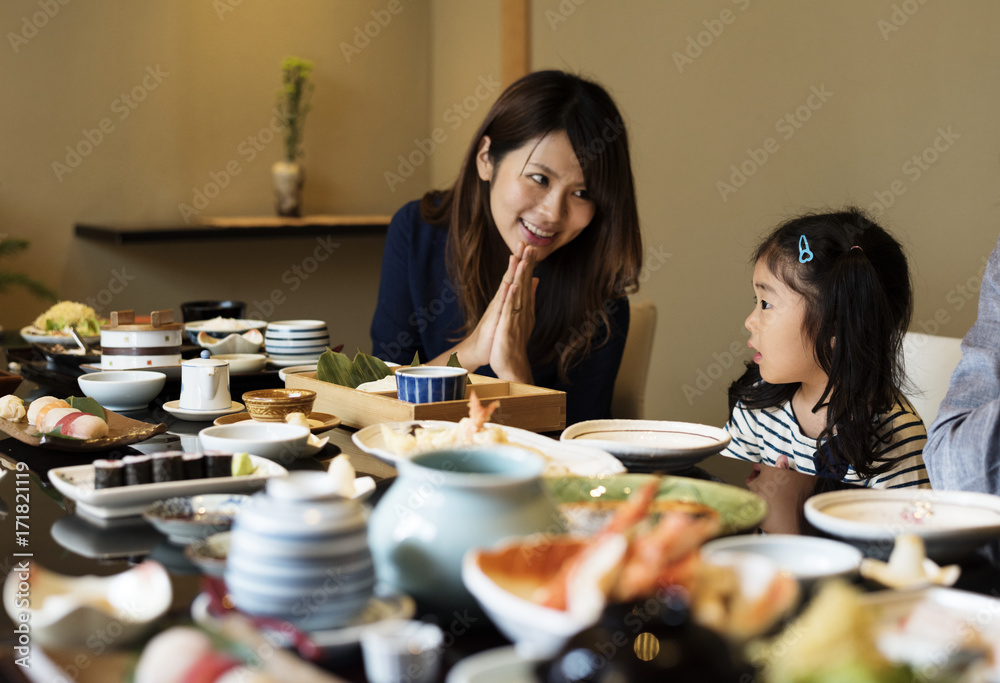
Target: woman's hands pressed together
[(500, 339)]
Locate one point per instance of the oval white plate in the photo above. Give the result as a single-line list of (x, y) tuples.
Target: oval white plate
[(807, 558), (951, 523), (562, 457), (645, 445), (32, 336), (243, 362)]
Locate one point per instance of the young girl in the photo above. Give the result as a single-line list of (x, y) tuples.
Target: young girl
[(523, 266), (822, 395)]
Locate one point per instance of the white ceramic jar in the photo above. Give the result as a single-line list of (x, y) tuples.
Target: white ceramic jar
[(299, 552), (132, 346), (445, 502)]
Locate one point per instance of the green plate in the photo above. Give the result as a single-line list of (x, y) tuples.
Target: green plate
[(738, 508)]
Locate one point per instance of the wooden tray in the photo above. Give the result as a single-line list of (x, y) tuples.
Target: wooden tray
[(122, 431), (521, 405)]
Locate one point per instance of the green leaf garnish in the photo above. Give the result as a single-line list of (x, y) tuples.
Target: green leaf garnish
[(453, 363), (85, 404), (337, 368), (416, 359)]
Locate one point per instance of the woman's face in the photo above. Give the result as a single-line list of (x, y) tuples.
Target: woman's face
[(537, 194)]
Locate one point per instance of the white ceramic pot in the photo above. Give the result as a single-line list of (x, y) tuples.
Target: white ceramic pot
[(445, 502), (205, 384), (288, 177)]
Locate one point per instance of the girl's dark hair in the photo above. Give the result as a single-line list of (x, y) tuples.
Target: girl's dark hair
[(601, 264), (858, 307)]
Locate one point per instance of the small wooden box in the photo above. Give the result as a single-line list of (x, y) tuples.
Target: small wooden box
[(521, 405)]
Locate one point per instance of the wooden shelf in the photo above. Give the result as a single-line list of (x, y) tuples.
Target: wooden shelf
[(241, 227)]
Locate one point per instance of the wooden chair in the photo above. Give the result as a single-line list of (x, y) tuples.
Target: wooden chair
[(629, 399), (929, 362)]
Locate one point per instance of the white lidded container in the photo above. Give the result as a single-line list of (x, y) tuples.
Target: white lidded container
[(127, 345)]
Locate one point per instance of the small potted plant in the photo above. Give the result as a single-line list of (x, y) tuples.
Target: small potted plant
[(293, 104)]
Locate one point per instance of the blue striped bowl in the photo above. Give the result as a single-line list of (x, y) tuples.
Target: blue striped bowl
[(431, 383)]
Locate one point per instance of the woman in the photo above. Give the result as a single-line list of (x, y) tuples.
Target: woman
[(522, 267)]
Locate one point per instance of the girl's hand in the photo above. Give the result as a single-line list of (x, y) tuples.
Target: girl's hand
[(509, 354)]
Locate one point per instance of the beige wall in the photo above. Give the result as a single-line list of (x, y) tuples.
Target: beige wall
[(886, 96), (219, 73)]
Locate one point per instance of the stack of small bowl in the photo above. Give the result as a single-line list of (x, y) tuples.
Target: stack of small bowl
[(299, 552), (293, 342)]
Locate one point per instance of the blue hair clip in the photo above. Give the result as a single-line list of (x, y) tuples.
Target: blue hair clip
[(805, 256)]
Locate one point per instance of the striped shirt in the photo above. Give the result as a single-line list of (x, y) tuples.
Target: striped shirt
[(764, 434)]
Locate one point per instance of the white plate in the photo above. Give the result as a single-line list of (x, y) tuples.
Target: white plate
[(582, 461), (199, 325), (243, 362), (952, 523), (499, 665), (807, 558), (295, 370), (645, 445), (108, 541), (288, 363), (32, 336), (174, 408), (334, 642), (77, 483), (908, 646)]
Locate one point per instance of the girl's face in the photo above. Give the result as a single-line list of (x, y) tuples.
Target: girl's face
[(784, 351), (537, 194)]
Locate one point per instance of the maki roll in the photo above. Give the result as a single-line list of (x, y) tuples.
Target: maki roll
[(138, 469), (218, 464), (108, 474), (194, 466), (168, 466)]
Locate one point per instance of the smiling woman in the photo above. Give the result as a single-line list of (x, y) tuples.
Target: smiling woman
[(523, 266)]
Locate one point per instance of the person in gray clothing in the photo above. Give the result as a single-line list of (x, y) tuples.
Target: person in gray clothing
[(963, 444)]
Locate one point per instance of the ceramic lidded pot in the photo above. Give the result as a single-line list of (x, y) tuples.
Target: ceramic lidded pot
[(299, 552), (445, 502), (205, 384)]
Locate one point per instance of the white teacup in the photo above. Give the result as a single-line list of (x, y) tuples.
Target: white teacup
[(205, 384)]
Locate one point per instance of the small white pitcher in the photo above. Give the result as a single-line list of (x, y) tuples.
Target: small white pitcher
[(205, 384)]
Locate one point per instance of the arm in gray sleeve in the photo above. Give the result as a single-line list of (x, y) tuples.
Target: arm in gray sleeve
[(963, 445)]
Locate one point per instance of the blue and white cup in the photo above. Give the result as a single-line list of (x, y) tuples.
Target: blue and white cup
[(431, 383)]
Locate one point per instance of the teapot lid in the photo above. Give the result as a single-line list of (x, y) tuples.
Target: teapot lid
[(205, 361)]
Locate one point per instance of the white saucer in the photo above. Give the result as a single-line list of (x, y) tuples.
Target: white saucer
[(289, 363), (174, 408)]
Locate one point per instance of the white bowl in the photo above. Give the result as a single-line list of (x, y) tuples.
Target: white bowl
[(68, 610), (123, 389), (807, 558), (243, 362), (537, 631), (281, 326), (272, 440)]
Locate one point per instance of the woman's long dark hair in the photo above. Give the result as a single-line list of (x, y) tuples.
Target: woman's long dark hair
[(858, 307), (601, 264)]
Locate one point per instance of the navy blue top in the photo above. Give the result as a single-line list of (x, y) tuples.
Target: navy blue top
[(418, 312)]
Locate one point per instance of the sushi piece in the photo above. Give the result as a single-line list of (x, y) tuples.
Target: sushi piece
[(82, 426), (38, 404), (168, 467), (194, 466), (12, 408), (108, 474), (218, 464), (138, 469), (49, 416)]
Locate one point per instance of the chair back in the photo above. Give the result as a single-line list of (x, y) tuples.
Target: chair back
[(929, 361), (629, 399)]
